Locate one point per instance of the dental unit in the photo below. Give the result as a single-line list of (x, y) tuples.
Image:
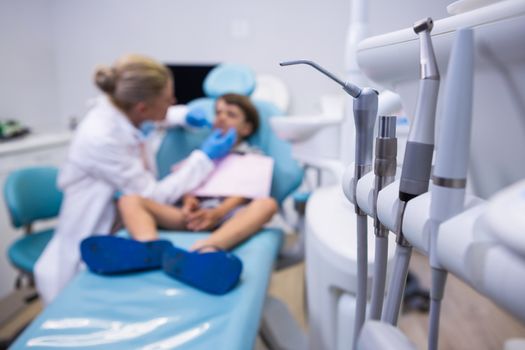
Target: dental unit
[(365, 112), (417, 164), (461, 233), (468, 244)]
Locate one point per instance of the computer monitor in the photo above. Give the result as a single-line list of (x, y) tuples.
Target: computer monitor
[(188, 80)]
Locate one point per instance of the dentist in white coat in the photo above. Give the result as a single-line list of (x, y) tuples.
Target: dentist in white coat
[(108, 154)]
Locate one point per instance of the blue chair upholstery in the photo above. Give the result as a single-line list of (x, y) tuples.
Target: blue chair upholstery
[(31, 195), (25, 251), (229, 77)]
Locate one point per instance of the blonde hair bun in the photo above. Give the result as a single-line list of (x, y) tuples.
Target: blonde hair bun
[(105, 79), (132, 79)]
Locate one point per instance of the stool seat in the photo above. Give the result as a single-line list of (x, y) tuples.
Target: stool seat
[(25, 251)]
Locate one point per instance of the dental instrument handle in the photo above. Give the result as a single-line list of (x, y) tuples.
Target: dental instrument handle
[(417, 163), (428, 65), (450, 169), (385, 163), (385, 171), (365, 113), (350, 88), (420, 144), (362, 274), (379, 282), (397, 285)]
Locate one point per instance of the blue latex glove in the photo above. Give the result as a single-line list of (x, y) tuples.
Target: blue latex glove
[(147, 127), (218, 145), (196, 117)]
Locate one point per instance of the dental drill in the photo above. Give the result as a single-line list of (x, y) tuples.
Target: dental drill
[(365, 112), (450, 169), (417, 164), (385, 171)]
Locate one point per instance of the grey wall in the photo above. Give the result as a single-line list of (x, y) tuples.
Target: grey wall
[(257, 33), (51, 47), (199, 31), (28, 75)]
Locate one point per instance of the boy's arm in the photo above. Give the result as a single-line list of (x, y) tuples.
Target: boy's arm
[(228, 204)]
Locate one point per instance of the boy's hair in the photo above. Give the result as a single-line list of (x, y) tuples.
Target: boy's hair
[(246, 106)]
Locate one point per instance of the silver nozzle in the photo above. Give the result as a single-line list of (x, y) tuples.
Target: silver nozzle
[(350, 88), (429, 68)]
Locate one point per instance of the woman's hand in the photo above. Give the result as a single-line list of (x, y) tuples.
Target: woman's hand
[(203, 219)]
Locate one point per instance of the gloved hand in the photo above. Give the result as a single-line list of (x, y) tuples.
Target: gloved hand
[(147, 127), (217, 145), (196, 117)]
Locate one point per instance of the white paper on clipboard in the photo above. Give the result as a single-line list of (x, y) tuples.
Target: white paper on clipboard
[(244, 175)]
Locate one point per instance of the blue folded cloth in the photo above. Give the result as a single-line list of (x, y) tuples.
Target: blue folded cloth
[(109, 255), (213, 272)]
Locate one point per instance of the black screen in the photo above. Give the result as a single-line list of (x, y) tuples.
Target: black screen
[(188, 80)]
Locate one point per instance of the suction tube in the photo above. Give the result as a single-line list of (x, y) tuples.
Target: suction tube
[(417, 163), (450, 169)]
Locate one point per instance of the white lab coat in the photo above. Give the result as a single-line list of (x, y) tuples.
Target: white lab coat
[(106, 156)]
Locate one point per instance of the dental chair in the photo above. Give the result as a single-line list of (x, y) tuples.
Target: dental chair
[(31, 195), (153, 311)]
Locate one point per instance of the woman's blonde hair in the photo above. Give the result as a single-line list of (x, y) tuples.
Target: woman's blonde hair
[(132, 79)]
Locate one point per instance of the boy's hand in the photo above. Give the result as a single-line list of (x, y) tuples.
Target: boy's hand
[(203, 219), (190, 204)]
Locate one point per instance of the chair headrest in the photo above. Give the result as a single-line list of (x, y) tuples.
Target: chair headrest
[(229, 78)]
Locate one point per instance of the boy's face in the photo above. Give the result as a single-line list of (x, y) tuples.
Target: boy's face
[(231, 116)]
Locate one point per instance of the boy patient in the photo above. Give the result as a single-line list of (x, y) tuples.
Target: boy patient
[(232, 219)]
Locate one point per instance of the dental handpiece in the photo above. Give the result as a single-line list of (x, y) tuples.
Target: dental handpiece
[(417, 164), (385, 171), (365, 112), (450, 168)]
